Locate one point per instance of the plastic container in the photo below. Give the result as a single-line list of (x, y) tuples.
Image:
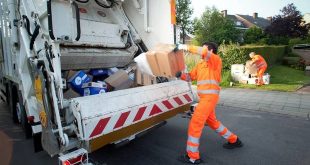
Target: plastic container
[(266, 78), (99, 72), (94, 88), (237, 71), (77, 80)]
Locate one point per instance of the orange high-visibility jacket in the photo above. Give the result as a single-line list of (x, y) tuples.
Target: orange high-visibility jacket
[(207, 72), (259, 61)]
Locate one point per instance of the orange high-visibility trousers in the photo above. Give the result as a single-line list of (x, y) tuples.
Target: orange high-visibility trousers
[(205, 113), (260, 74)]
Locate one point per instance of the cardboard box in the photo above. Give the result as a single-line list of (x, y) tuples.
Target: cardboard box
[(164, 62), (144, 79), (77, 79), (250, 69), (94, 88), (71, 94), (119, 80)]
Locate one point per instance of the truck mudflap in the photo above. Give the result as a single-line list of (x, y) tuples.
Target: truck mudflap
[(140, 108)]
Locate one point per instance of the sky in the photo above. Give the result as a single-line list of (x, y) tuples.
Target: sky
[(264, 8)]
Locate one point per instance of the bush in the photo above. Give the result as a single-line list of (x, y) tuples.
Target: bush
[(278, 40), (231, 54), (226, 78), (295, 41)]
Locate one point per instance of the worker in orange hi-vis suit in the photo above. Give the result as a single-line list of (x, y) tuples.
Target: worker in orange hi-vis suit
[(208, 76), (260, 64)]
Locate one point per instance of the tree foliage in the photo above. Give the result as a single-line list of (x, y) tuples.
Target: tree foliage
[(253, 35), (212, 26), (288, 24), (183, 15)]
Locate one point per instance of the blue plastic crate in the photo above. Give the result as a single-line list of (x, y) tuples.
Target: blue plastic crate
[(77, 81), (99, 72), (94, 88)]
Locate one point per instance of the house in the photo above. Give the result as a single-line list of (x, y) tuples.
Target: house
[(245, 22), (306, 18)]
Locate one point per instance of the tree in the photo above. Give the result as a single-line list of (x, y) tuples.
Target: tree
[(253, 35), (212, 26), (288, 24), (183, 15)]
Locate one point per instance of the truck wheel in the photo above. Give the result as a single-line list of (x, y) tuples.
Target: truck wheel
[(26, 126), (22, 117), (12, 93)]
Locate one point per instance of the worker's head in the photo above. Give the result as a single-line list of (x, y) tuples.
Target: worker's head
[(211, 46), (252, 54)]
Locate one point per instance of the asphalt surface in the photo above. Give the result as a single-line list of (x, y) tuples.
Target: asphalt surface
[(269, 138)]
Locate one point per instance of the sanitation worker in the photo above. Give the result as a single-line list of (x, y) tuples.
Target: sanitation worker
[(261, 65), (208, 76)]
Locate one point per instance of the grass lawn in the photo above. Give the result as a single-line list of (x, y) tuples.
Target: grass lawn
[(282, 78)]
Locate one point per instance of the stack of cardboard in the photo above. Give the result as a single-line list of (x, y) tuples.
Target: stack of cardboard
[(144, 79), (164, 61)]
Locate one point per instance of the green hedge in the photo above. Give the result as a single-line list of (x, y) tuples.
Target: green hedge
[(272, 54)]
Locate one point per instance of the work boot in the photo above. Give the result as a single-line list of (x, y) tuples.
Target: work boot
[(237, 144), (186, 159)]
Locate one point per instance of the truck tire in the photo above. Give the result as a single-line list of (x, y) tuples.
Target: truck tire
[(13, 97), (22, 116), (26, 126)]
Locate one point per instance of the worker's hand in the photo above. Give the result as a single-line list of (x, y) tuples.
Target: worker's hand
[(180, 47), (178, 74)]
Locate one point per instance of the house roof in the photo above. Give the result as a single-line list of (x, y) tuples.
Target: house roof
[(259, 21), (236, 20)]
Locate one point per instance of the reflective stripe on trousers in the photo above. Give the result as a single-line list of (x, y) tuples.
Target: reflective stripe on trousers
[(192, 144), (223, 131)]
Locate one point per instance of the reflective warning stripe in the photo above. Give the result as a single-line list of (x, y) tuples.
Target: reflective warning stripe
[(209, 91), (227, 134), (208, 56), (220, 128), (119, 120), (200, 50), (192, 148), (202, 82), (193, 140), (261, 65), (188, 77)]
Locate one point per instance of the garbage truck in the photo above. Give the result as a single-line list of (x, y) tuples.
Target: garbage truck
[(42, 40)]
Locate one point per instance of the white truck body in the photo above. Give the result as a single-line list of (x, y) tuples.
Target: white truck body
[(42, 39)]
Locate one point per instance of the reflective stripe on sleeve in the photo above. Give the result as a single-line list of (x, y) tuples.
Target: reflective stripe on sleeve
[(208, 56), (209, 91), (199, 50), (193, 140), (188, 78), (207, 82)]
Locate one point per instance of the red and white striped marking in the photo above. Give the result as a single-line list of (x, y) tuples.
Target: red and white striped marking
[(117, 121)]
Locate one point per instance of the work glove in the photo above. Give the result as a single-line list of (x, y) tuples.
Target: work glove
[(180, 47), (178, 74)]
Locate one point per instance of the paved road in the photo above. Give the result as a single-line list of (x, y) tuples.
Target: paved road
[(270, 138)]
